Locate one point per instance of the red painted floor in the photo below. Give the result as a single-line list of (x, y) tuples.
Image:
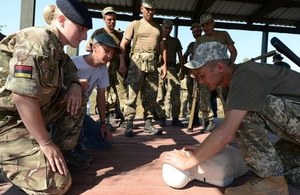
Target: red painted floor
[(133, 166)]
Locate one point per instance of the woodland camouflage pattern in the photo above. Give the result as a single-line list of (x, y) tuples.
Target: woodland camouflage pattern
[(49, 72)]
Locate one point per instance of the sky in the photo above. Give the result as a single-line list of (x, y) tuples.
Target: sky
[(247, 43)]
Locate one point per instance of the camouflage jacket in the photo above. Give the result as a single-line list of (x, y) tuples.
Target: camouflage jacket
[(33, 63)]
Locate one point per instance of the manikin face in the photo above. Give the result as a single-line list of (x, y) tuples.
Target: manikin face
[(102, 54), (110, 20), (148, 13), (72, 33)]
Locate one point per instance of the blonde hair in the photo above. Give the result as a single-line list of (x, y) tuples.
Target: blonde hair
[(50, 13)]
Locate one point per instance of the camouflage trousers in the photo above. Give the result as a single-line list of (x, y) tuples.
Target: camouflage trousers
[(161, 93), (188, 100), (281, 117), (116, 93), (145, 83), (205, 95), (21, 160), (171, 100), (24, 165)]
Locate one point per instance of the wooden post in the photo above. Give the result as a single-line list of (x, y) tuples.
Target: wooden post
[(27, 13)]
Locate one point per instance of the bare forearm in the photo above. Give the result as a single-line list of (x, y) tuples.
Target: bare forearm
[(181, 60), (213, 144), (164, 54), (220, 136), (123, 45), (101, 103), (233, 53)]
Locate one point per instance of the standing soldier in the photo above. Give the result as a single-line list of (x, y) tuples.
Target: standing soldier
[(211, 35), (173, 47), (41, 89), (116, 80), (142, 72), (196, 31)]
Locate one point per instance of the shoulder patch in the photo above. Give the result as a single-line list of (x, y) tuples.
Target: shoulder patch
[(23, 71)]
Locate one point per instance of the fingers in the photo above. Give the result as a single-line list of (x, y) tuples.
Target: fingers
[(109, 137), (73, 105), (61, 166), (55, 159), (106, 133), (169, 157), (52, 165), (163, 74)]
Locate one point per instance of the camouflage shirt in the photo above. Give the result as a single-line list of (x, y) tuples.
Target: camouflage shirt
[(34, 64)]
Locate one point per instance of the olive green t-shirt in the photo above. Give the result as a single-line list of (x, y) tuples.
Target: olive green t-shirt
[(173, 46), (148, 35), (116, 35), (219, 36), (251, 83), (189, 51)]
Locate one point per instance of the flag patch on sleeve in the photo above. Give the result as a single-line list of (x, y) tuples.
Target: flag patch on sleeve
[(22, 71)]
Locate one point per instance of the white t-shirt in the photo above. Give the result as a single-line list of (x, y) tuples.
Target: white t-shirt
[(96, 76)]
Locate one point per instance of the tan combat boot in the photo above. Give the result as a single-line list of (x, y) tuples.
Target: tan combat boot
[(261, 186)]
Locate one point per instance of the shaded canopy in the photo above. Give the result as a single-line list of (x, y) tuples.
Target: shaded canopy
[(257, 15)]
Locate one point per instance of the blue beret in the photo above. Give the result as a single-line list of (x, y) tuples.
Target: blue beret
[(76, 12)]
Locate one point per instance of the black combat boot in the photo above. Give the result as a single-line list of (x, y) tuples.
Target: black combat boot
[(128, 124), (196, 120), (75, 164), (162, 122), (150, 129), (177, 122), (208, 126), (80, 155)]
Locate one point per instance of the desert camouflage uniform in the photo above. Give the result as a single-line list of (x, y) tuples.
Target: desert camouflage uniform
[(280, 116), (205, 95), (190, 85), (161, 93), (172, 97), (143, 69), (143, 77), (38, 67)]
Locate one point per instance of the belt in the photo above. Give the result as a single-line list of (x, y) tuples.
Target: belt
[(3, 114)]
